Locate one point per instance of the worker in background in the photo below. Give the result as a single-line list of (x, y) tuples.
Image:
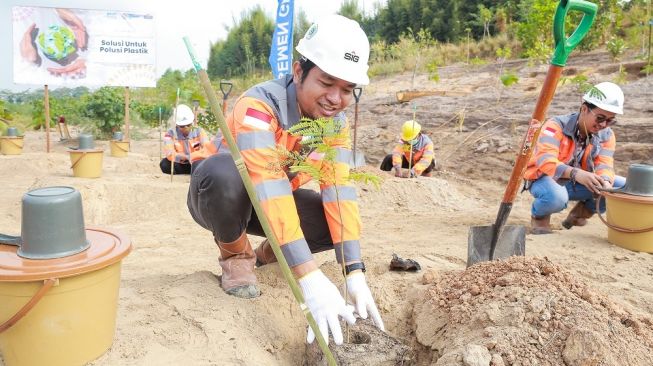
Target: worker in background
[(334, 59), (414, 147), (184, 143), (573, 160)]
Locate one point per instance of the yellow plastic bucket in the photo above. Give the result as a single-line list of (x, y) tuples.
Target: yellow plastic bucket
[(630, 221), (119, 149), (86, 163), (11, 145), (71, 303)]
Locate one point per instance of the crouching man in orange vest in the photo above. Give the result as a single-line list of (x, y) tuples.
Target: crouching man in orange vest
[(335, 53), (414, 146), (183, 144), (573, 159)]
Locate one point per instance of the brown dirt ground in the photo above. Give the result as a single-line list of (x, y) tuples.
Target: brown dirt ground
[(589, 298)]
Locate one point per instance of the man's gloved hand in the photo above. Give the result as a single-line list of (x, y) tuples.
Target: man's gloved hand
[(397, 169), (362, 296), (326, 304)]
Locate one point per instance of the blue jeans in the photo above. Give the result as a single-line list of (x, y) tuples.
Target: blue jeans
[(551, 197)]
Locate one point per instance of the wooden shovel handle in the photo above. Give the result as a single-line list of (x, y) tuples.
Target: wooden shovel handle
[(526, 147), (47, 285)]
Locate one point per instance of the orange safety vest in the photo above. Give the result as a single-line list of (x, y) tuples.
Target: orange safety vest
[(185, 149), (556, 145), (259, 123), (422, 153)]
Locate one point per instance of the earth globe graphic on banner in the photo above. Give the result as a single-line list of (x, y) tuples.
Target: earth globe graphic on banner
[(57, 43)]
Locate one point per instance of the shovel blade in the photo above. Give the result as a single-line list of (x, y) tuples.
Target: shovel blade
[(512, 241), (357, 160)]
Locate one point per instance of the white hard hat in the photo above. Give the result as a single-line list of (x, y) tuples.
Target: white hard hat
[(612, 99), (339, 47), (185, 115)]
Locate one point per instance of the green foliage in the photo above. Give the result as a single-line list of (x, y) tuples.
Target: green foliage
[(534, 30), (434, 73), (504, 53), (4, 111), (106, 107), (246, 48), (616, 46), (648, 69), (153, 113), (208, 122), (622, 76), (319, 136), (581, 82), (508, 78), (476, 61)]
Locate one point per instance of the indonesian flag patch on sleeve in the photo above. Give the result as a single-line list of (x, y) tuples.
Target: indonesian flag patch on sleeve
[(257, 119), (549, 131)]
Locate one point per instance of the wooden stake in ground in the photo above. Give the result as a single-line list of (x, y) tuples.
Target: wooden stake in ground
[(174, 138), (46, 104), (127, 112), (160, 136)]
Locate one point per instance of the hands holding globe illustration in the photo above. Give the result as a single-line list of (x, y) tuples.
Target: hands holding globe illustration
[(59, 44)]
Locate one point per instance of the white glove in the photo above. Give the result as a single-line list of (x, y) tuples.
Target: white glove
[(326, 304), (362, 296)]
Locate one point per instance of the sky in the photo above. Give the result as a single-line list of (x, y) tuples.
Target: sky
[(202, 21)]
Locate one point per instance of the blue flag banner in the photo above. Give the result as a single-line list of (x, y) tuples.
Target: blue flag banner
[(282, 46)]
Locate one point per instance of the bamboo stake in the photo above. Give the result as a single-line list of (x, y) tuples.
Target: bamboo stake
[(160, 136), (127, 112), (251, 192), (410, 161), (174, 138), (46, 104)]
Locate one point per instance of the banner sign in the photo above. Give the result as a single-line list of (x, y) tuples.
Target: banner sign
[(282, 46), (77, 47)]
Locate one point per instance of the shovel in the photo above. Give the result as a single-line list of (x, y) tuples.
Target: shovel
[(225, 94), (358, 158), (499, 241)]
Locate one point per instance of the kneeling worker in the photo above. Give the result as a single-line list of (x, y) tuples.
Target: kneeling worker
[(573, 160), (414, 145), (303, 220), (184, 143)]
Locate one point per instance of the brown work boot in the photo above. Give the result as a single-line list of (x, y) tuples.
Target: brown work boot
[(577, 216), (264, 254), (541, 225), (237, 260)]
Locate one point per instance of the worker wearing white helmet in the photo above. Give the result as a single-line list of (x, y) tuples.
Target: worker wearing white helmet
[(335, 52), (413, 152), (182, 144), (573, 159)]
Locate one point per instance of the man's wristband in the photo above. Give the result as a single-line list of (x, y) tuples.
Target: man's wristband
[(354, 266), (572, 175)]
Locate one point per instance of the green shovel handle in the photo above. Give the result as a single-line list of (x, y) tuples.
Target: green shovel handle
[(564, 46)]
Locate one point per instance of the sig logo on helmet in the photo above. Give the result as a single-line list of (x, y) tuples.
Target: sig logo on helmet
[(351, 56)]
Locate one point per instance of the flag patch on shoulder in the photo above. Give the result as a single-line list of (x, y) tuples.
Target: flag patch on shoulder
[(549, 131), (257, 119)]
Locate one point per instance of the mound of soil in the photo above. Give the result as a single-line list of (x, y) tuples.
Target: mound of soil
[(525, 311)]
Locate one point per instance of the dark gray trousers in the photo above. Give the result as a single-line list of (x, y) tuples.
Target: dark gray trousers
[(218, 201)]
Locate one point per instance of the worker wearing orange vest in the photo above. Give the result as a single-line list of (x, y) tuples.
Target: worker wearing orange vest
[(414, 145), (335, 53), (573, 160), (184, 144)]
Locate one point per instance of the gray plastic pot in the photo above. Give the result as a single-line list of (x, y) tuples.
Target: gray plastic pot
[(639, 181), (52, 224), (12, 131)]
